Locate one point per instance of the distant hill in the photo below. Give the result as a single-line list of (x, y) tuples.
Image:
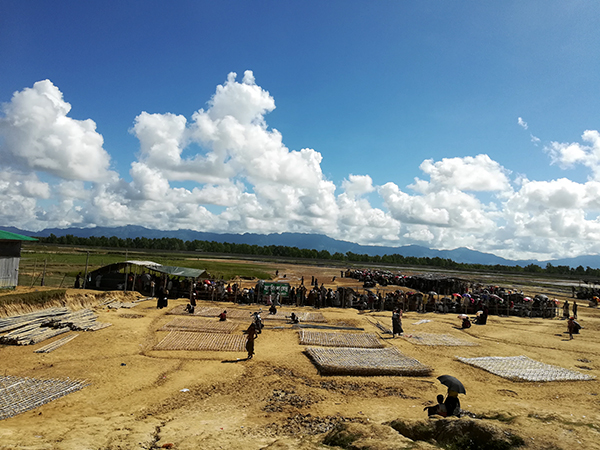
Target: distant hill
[(308, 241)]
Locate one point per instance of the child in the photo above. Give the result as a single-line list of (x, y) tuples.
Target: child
[(439, 409)]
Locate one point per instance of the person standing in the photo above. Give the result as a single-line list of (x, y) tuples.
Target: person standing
[(78, 281), (566, 309), (252, 335), (397, 323), (575, 310)]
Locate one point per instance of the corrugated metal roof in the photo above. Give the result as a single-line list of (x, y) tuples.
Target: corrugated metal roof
[(8, 236)]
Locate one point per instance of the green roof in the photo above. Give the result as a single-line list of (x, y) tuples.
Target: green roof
[(8, 236)]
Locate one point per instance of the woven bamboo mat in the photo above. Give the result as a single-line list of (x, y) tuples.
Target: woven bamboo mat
[(200, 325), (365, 361), (311, 317), (522, 368), (212, 311), (18, 394), (281, 315), (178, 310), (356, 340), (436, 339), (209, 311), (186, 340)]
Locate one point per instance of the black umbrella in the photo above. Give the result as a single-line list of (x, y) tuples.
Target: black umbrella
[(452, 383)]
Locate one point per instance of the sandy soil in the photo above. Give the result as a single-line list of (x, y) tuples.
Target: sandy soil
[(143, 398)]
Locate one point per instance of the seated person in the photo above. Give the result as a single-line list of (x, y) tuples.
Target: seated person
[(573, 326), (223, 316), (466, 323), (273, 309), (189, 308), (294, 318), (437, 410), (452, 404)]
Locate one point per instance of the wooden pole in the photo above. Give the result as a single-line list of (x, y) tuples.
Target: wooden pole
[(33, 277), (87, 260), (125, 270), (43, 282)]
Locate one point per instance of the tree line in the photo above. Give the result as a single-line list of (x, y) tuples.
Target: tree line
[(175, 244)]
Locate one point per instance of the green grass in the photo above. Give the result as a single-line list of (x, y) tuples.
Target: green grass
[(62, 264)]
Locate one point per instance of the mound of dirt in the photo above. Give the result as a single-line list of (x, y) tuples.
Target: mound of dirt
[(360, 436), (459, 433)]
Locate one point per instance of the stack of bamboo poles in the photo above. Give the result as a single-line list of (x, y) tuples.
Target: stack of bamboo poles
[(36, 327), (54, 345), (382, 327), (23, 394)]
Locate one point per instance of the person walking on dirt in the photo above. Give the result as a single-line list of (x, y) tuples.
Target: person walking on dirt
[(397, 323), (252, 335)]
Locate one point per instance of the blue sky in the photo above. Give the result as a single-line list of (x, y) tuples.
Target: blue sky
[(485, 104)]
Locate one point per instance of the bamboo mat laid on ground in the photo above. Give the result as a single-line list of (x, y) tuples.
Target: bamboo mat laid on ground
[(365, 361), (280, 315), (356, 340), (211, 311), (311, 317), (436, 339), (522, 368), (186, 340), (23, 394), (200, 325), (231, 313)]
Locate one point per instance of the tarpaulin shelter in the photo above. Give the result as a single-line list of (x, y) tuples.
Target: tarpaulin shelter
[(113, 276), (10, 256)]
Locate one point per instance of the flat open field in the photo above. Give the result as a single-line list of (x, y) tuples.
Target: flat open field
[(141, 397)]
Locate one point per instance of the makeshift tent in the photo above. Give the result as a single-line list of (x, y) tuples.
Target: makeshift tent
[(10, 256), (113, 276)]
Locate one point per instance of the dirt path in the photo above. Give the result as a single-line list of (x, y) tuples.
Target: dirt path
[(139, 397)]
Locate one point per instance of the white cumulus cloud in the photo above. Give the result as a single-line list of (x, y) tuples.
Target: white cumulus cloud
[(225, 170), (39, 136)]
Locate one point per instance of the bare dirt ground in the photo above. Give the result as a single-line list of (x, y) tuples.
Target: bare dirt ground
[(143, 398)]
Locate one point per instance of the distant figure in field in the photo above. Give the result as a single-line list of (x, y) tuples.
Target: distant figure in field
[(466, 323), (294, 318), (223, 316), (566, 310), (273, 309), (573, 327), (575, 310), (162, 300), (190, 308), (397, 323), (78, 281), (252, 335)]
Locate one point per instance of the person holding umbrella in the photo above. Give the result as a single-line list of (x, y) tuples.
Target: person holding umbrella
[(455, 387)]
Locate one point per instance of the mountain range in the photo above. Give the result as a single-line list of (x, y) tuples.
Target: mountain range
[(308, 241)]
